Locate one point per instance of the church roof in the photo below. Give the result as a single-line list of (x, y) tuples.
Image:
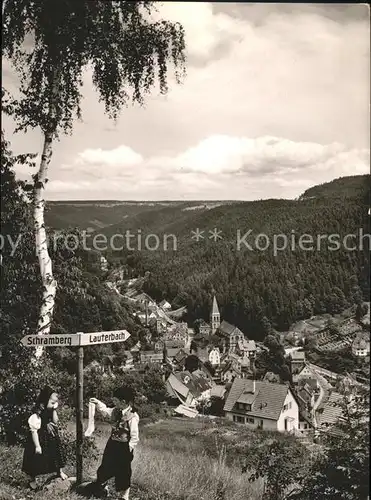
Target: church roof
[(226, 329), (215, 308)]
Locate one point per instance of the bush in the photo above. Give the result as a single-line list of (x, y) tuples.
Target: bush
[(89, 448), (20, 392)]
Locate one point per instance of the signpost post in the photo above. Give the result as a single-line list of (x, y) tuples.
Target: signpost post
[(79, 412), (78, 340)]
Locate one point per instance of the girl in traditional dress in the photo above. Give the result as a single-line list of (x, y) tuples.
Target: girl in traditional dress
[(43, 451), (118, 453)]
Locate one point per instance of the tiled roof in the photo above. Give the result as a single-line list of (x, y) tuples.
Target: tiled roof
[(202, 354), (202, 322), (231, 365), (172, 344), (247, 345), (332, 410), (226, 328), (269, 400), (218, 391), (180, 356), (195, 382), (360, 342), (175, 385)]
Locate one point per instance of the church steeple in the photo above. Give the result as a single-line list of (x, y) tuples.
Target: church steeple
[(214, 316)]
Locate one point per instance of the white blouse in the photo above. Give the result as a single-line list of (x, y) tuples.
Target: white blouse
[(34, 422)]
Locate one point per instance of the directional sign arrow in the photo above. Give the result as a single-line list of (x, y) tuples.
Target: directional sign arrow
[(51, 340), (104, 337), (75, 339)]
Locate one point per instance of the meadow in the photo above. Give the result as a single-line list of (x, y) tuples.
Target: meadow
[(176, 460)]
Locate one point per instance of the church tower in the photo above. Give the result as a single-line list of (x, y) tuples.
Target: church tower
[(214, 316)]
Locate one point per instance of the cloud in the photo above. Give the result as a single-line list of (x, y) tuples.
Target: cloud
[(276, 97), (215, 168)]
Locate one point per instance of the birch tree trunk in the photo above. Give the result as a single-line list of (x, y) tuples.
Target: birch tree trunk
[(46, 270), (41, 241)]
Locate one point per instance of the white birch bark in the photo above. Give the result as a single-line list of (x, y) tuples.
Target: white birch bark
[(45, 263), (41, 242)]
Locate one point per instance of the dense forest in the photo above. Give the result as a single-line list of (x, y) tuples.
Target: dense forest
[(256, 289)]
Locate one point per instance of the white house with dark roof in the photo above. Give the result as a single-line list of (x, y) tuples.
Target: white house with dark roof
[(263, 405)]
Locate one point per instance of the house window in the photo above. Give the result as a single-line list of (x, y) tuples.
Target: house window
[(238, 419), (250, 420)]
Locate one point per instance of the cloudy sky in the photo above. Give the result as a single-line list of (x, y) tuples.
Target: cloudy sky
[(276, 99)]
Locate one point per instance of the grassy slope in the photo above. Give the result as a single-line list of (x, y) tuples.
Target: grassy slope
[(176, 459)]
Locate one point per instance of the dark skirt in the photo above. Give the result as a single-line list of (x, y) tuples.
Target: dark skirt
[(116, 463), (51, 459)]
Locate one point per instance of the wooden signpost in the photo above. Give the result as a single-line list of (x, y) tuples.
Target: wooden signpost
[(79, 340)]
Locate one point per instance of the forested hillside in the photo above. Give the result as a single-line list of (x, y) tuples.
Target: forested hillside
[(94, 215), (256, 288), (347, 187)]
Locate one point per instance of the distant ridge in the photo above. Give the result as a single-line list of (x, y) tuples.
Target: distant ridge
[(349, 186)]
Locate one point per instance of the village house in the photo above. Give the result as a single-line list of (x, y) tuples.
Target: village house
[(230, 371), (128, 362), (161, 325), (179, 359), (159, 344), (306, 373), (204, 328), (297, 361), (306, 395), (208, 354), (173, 354), (178, 331), (262, 405), (214, 356), (246, 349), (151, 357), (164, 304), (189, 388), (361, 345)]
